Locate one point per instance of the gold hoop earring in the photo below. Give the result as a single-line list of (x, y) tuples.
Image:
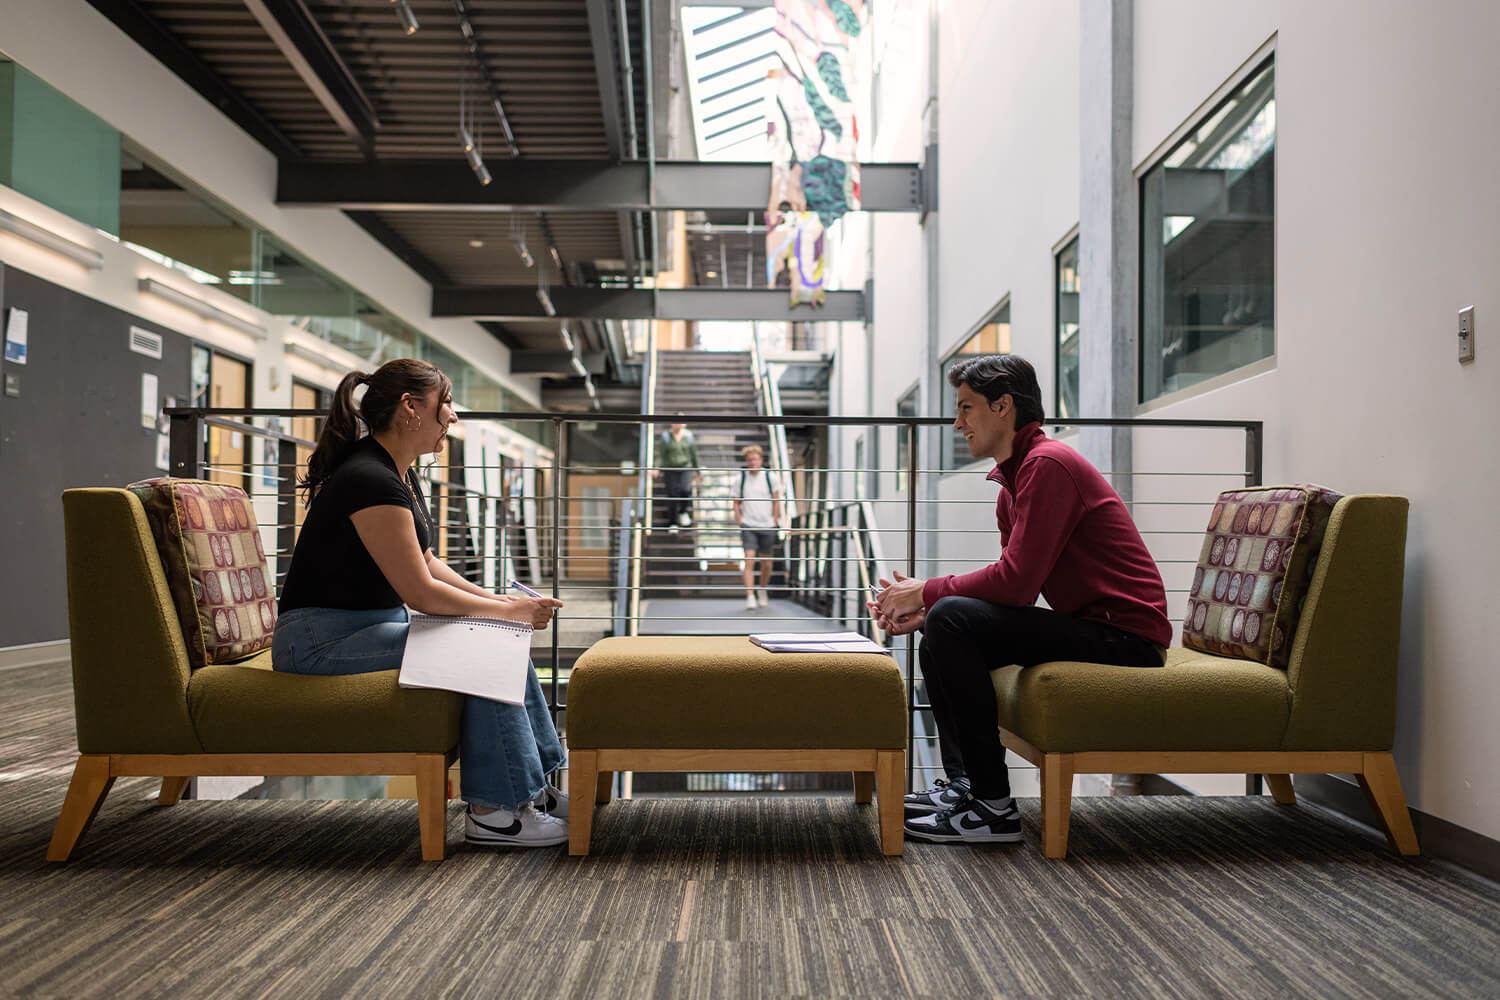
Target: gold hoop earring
[(413, 423)]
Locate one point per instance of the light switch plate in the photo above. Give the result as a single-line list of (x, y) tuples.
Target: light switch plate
[(1466, 334)]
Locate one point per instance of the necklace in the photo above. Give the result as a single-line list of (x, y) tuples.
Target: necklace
[(417, 504)]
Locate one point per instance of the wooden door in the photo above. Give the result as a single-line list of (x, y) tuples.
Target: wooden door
[(228, 451)]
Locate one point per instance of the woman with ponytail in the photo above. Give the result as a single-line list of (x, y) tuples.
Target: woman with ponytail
[(363, 557)]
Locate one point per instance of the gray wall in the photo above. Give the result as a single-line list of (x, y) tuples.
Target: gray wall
[(76, 423)]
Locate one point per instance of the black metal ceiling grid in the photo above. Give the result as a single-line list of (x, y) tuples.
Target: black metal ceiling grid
[(446, 237), (540, 56)]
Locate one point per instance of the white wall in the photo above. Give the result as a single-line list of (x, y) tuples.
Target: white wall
[(1384, 229), (1387, 212), (76, 50)]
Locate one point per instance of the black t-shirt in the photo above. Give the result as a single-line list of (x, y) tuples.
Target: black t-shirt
[(331, 568)]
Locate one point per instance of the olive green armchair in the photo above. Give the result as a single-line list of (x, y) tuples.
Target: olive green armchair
[(141, 710), (1332, 711)]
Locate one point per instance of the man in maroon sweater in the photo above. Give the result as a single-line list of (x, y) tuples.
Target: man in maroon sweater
[(1067, 537)]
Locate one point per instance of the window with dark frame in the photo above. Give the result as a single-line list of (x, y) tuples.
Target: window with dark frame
[(906, 406), (1208, 245), (992, 337), (1065, 308)]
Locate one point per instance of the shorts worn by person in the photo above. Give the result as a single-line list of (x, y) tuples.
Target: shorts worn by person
[(1067, 537), (363, 556), (757, 509)]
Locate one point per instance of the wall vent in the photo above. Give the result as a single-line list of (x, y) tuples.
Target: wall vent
[(145, 342)]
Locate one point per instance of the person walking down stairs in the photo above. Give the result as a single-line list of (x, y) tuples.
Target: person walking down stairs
[(757, 508), (679, 467)]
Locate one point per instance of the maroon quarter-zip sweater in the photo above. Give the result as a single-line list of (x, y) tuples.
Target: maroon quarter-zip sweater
[(1066, 536)]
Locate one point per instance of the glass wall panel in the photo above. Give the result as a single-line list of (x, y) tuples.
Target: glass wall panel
[(993, 337), (1208, 245)]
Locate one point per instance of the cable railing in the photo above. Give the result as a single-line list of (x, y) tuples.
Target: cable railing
[(590, 535)]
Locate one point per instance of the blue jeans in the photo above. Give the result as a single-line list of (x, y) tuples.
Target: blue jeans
[(507, 750)]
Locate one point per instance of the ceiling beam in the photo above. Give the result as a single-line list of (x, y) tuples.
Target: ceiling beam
[(296, 33), (398, 245), (150, 34), (513, 303), (556, 363), (578, 185)]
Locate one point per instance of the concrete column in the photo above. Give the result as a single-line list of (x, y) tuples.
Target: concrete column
[(1108, 228), (930, 393)]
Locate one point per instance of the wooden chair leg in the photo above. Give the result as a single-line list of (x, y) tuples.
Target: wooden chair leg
[(583, 768), (1382, 788), (864, 786), (1281, 789), (172, 788), (604, 787), (1057, 803), (91, 783), (890, 777), (432, 802)]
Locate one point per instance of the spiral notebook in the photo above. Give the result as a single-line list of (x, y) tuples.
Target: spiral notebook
[(486, 657), (816, 642)]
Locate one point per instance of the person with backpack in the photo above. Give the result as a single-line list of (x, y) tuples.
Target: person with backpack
[(757, 509), (677, 465)]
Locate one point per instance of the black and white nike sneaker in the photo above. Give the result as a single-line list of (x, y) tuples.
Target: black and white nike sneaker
[(969, 822), (939, 798), (524, 827), (552, 802)]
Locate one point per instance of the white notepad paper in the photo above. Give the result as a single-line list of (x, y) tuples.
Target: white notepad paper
[(816, 642), (486, 657)]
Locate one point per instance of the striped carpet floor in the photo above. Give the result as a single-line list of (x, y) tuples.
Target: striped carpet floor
[(709, 897)]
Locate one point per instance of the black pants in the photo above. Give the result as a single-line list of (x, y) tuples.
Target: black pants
[(678, 487), (964, 639)]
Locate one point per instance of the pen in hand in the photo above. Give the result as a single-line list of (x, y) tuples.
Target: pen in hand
[(518, 585)]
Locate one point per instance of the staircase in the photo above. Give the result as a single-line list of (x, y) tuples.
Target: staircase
[(703, 560)]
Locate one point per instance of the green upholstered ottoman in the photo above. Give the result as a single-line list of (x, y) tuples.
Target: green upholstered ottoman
[(721, 703)]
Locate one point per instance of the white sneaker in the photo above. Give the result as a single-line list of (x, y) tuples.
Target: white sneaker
[(525, 827), (684, 520), (552, 802), (765, 600), (750, 603)]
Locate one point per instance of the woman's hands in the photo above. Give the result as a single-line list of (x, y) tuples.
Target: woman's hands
[(536, 610)]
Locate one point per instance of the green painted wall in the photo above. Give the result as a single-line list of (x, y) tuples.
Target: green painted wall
[(56, 152)]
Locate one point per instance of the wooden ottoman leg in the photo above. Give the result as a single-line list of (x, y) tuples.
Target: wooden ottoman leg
[(1057, 803), (171, 790), (890, 772), (583, 767), (432, 802), (1382, 788), (864, 785), (604, 786), (91, 782), (1281, 789)]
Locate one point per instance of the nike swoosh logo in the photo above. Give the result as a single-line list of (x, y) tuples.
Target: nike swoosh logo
[(509, 831), (965, 824)]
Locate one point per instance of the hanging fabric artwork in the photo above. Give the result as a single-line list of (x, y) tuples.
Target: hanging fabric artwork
[(813, 137)]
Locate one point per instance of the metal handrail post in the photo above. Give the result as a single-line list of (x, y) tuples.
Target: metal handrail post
[(557, 528), (912, 440)]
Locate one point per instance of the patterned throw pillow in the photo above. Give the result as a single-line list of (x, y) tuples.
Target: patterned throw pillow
[(1252, 577), (216, 568)]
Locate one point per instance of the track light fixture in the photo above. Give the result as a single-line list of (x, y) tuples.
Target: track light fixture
[(545, 300), (473, 148), (518, 237), (409, 23)]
